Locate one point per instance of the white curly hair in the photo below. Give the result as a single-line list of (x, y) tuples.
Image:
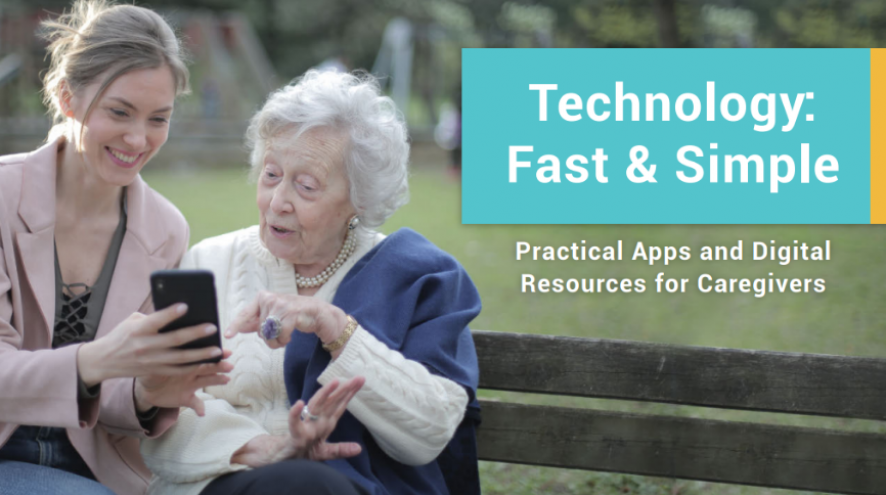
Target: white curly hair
[(377, 152)]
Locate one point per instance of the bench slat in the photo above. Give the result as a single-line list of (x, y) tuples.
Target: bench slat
[(825, 385), (732, 452)]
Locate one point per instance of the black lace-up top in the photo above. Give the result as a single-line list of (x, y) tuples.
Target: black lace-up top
[(79, 307)]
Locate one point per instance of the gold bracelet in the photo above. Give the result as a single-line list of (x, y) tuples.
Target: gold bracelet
[(343, 338)]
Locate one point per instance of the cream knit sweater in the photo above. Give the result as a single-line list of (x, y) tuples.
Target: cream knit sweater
[(411, 413)]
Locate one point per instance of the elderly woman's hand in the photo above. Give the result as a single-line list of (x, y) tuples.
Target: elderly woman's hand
[(308, 430), (304, 314)]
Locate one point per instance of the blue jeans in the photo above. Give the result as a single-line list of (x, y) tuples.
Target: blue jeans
[(40, 460)]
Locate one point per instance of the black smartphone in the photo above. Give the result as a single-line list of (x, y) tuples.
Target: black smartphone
[(196, 288)]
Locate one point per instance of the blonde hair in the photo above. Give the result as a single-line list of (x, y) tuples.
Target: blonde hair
[(96, 39)]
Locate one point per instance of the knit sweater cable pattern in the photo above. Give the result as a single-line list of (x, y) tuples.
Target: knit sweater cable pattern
[(411, 413)]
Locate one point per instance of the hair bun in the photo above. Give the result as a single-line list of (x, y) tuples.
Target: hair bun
[(99, 39)]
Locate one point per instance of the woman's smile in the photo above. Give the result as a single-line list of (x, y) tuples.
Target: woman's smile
[(122, 159)]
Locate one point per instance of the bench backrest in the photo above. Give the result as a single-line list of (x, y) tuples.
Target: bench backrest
[(680, 447)]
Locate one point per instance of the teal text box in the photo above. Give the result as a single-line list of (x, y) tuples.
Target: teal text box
[(500, 111)]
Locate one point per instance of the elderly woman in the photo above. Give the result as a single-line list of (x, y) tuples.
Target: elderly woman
[(314, 296)]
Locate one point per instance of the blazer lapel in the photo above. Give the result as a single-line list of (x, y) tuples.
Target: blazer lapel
[(37, 211), (130, 284), (38, 258)]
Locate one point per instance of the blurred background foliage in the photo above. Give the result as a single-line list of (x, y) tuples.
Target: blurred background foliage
[(293, 36)]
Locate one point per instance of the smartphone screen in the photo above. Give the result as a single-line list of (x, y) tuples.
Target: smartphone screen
[(196, 288)]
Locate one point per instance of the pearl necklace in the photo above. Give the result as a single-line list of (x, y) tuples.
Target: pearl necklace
[(347, 249)]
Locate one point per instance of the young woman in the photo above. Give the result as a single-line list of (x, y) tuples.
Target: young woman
[(84, 373)]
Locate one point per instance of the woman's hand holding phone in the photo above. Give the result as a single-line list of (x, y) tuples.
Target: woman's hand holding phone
[(136, 348)]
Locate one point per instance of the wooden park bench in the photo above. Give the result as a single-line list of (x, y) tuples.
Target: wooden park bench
[(681, 447)]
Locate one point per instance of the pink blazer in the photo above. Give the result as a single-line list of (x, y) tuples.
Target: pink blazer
[(38, 385)]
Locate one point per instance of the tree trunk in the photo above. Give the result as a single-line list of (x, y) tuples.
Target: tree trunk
[(667, 24)]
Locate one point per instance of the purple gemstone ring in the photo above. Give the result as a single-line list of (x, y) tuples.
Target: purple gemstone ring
[(270, 328)]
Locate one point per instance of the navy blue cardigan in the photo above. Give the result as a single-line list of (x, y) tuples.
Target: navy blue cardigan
[(418, 300)]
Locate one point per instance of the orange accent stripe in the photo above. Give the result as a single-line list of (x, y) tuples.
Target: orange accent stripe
[(878, 135)]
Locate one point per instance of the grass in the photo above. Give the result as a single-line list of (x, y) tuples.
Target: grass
[(849, 318)]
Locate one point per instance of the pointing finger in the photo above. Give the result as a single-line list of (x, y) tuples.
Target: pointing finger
[(246, 321)]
